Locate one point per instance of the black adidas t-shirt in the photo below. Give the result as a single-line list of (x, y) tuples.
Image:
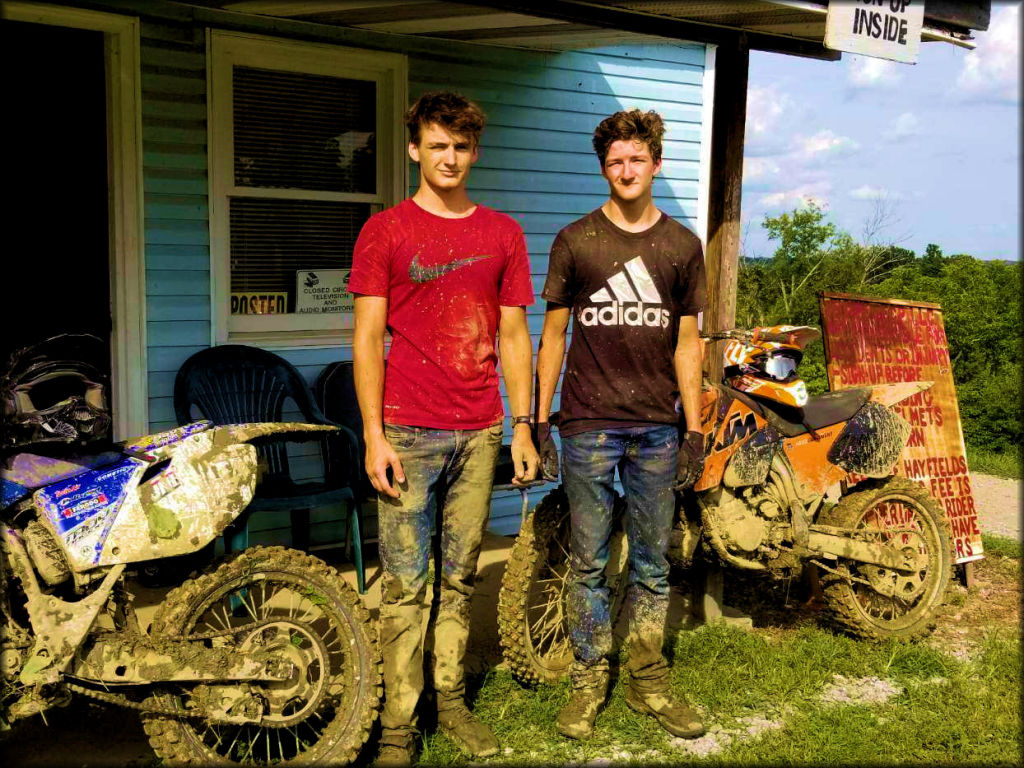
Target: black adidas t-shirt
[(627, 291)]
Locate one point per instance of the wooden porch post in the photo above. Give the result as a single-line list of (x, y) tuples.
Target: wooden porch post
[(721, 262), (729, 115)]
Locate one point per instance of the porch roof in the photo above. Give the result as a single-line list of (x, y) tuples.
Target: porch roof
[(795, 27)]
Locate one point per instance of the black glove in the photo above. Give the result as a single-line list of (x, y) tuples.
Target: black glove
[(548, 451), (689, 460)]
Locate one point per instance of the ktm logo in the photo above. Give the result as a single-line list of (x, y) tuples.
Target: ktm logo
[(738, 428), (629, 301)]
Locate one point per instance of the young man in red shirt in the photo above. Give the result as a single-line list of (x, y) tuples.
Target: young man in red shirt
[(633, 279), (443, 276)]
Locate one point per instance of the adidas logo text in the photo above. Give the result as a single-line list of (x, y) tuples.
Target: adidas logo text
[(620, 314), (631, 305)]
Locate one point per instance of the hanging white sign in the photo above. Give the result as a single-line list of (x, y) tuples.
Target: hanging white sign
[(886, 29), (322, 291)]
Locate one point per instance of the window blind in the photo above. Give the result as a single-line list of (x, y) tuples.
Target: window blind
[(301, 131), (272, 239)]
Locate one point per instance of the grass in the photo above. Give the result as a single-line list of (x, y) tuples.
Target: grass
[(945, 709), (991, 463), (1001, 546)]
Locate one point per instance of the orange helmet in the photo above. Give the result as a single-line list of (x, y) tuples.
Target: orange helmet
[(764, 363)]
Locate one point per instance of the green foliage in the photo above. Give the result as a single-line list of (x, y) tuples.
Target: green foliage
[(1000, 546), (980, 300), (1006, 464)]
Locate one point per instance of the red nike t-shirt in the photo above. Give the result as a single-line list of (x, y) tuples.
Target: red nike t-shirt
[(445, 280)]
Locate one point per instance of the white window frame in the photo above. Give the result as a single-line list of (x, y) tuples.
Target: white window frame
[(225, 51), (128, 371)]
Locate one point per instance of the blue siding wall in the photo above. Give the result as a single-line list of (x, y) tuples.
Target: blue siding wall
[(177, 234), (536, 164)]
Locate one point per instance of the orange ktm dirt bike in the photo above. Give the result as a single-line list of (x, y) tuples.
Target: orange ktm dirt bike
[(775, 494)]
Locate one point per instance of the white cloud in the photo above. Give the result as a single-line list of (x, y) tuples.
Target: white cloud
[(906, 125), (867, 192), (824, 141), (768, 109), (759, 167), (765, 105), (871, 72), (992, 69), (799, 197)]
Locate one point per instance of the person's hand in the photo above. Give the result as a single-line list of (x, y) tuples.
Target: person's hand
[(524, 455), (548, 451), (380, 457), (689, 460)]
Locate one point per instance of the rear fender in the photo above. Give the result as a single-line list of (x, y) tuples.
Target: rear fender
[(243, 433), (890, 394)]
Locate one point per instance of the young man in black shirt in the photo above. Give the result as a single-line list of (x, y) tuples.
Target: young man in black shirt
[(633, 279)]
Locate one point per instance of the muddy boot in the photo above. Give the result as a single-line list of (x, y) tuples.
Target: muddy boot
[(589, 689), (673, 713), (397, 748), (461, 726)]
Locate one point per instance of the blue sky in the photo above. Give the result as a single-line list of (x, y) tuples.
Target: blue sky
[(935, 146)]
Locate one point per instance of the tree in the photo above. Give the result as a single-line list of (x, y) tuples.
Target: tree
[(933, 261), (980, 300), (803, 237)]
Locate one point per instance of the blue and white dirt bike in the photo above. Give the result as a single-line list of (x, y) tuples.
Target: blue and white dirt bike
[(267, 658)]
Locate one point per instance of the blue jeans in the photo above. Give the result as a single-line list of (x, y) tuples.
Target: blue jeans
[(453, 468), (645, 458)]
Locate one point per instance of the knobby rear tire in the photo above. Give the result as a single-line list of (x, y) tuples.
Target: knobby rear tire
[(344, 718), (861, 610)]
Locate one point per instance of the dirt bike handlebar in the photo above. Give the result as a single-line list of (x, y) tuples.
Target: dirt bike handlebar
[(757, 334)]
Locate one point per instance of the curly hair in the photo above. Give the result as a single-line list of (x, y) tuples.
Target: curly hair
[(630, 125), (452, 111)]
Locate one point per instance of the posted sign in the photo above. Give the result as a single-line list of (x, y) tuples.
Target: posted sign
[(886, 29), (882, 341), (272, 303), (322, 291)]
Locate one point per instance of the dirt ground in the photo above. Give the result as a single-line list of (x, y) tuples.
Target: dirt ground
[(998, 502), (88, 736)]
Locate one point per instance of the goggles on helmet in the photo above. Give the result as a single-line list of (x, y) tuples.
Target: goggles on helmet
[(781, 366)]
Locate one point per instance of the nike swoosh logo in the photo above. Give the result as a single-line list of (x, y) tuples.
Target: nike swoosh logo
[(420, 274)]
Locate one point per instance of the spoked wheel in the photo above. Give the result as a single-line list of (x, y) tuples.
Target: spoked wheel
[(301, 609), (532, 624), (875, 602)]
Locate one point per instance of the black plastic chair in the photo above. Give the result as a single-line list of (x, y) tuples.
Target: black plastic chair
[(335, 393), (234, 384)]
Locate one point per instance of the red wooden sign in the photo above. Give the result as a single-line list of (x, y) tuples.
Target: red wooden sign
[(882, 341)]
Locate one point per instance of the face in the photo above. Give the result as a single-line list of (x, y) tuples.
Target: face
[(444, 157), (629, 170)]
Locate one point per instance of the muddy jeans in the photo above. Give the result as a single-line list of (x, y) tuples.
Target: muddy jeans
[(453, 468), (646, 460)]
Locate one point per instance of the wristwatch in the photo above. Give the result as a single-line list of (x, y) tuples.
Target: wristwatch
[(521, 420)]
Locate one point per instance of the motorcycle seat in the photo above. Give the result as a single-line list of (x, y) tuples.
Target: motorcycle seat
[(33, 471), (821, 411)]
